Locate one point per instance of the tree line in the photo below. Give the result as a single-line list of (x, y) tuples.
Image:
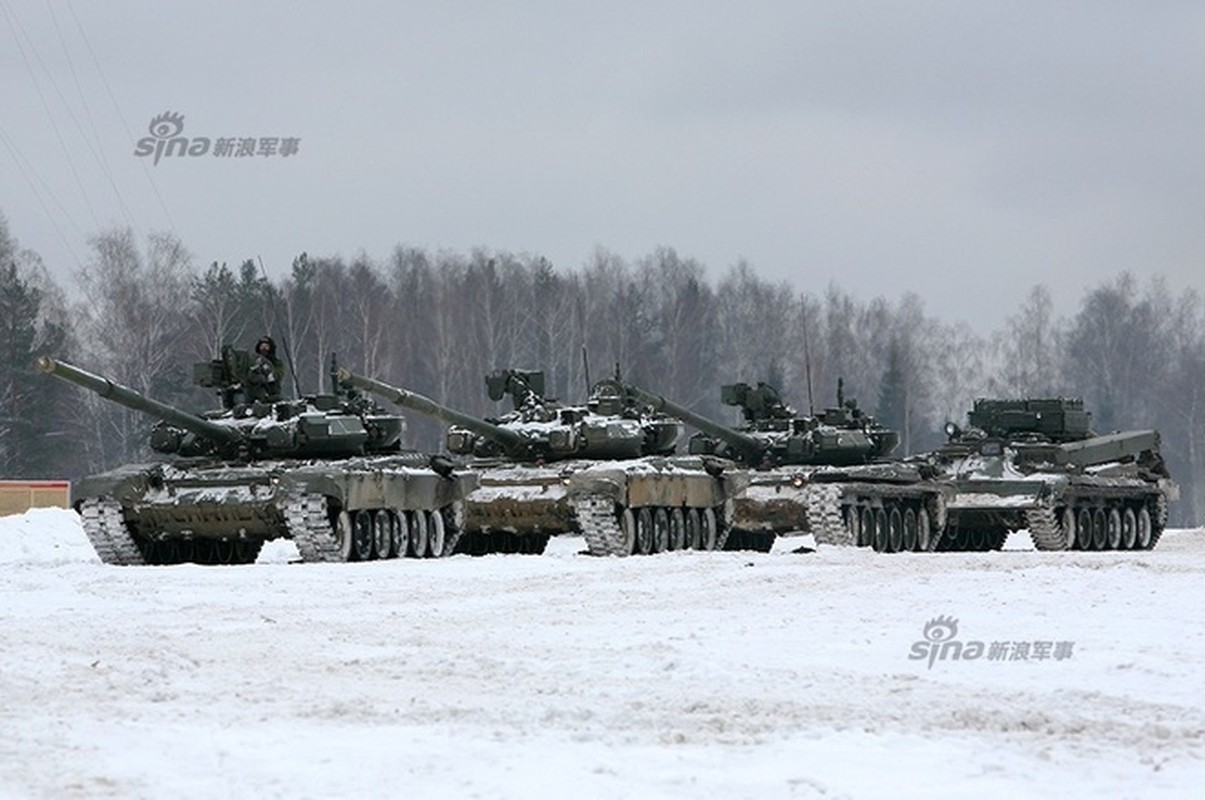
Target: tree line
[(142, 313)]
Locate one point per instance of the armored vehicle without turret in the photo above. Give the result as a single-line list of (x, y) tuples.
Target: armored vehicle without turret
[(827, 474), (326, 471), (1036, 464), (605, 469)]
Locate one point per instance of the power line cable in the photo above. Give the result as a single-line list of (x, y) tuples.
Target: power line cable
[(126, 125), (98, 150), (18, 32), (17, 157)]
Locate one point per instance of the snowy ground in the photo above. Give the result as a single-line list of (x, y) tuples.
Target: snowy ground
[(685, 675)]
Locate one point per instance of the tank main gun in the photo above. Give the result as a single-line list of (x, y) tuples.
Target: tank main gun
[(131, 399), (749, 448), (514, 444)]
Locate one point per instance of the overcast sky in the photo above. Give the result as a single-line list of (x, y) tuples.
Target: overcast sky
[(965, 151)]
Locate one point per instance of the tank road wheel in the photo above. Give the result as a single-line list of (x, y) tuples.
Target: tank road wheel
[(677, 529), (1067, 527), (362, 535), (1113, 529), (644, 531), (1143, 533), (869, 532), (167, 551), (1129, 529), (709, 530), (627, 528), (909, 530), (924, 531), (1083, 529), (343, 536), (401, 533), (882, 535), (660, 530), (895, 530), (436, 540), (1099, 534), (418, 534), (224, 551), (382, 534), (245, 551), (853, 525), (693, 531)]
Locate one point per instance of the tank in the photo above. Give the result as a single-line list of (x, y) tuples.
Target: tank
[(829, 474), (1037, 464), (605, 469), (326, 471)]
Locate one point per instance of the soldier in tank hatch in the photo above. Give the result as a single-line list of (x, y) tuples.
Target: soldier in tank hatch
[(267, 372)]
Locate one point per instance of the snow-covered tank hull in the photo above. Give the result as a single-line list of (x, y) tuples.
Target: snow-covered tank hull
[(326, 471), (656, 504), (603, 470), (219, 513)]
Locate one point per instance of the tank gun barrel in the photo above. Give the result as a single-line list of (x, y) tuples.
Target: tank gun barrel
[(747, 445), (138, 402), (509, 440)]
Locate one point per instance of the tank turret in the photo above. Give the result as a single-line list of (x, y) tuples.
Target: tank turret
[(315, 425), (1052, 431), (774, 435), (610, 426)]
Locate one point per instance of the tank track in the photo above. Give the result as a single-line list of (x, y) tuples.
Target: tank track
[(310, 528), (453, 527), (1044, 529), (599, 524), (308, 520), (1047, 535), (1159, 521), (484, 544), (826, 517), (596, 518), (107, 532)]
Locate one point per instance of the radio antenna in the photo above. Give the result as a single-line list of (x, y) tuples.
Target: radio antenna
[(284, 340)]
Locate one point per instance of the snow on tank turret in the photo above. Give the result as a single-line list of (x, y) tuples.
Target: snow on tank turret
[(606, 469), (324, 470), (1036, 464)]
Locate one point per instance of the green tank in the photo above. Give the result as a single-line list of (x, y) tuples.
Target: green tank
[(829, 474), (1036, 464), (326, 471), (605, 469)]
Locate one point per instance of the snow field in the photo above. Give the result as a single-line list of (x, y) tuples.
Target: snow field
[(681, 675)]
